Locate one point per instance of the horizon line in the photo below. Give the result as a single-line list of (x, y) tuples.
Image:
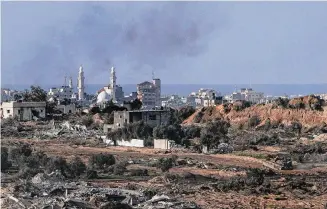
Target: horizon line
[(184, 84)]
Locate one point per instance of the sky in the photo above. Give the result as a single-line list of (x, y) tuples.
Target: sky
[(181, 42)]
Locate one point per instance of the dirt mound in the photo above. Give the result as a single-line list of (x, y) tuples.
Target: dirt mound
[(263, 112)]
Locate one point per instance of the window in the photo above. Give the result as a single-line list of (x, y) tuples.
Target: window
[(8, 111), (152, 117), (125, 120), (41, 110), (18, 111), (70, 111), (120, 116)]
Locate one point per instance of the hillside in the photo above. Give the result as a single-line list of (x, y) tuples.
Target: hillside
[(277, 115)]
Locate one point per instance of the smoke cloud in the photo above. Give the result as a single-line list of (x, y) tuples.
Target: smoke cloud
[(183, 42), (132, 36)]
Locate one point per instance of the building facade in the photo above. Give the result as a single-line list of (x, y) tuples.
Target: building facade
[(252, 96), (62, 93), (246, 94), (149, 93), (150, 117), (23, 111), (67, 109), (204, 98)]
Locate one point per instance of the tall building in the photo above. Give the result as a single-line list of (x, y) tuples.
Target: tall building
[(113, 83), (80, 85), (70, 82), (149, 93)]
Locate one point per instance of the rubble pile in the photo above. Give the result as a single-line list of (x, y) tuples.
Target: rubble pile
[(11, 128), (53, 191), (67, 130)]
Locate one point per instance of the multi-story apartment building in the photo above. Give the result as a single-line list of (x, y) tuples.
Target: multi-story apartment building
[(253, 96), (64, 92), (204, 98), (246, 94), (149, 93)]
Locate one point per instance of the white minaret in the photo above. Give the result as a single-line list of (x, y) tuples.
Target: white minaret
[(80, 85), (113, 83), (70, 82)]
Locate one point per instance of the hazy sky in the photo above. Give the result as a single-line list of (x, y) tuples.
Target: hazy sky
[(183, 42)]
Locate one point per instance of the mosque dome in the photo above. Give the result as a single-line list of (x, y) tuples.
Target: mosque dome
[(103, 96)]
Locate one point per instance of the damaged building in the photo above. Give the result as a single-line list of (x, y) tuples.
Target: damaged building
[(23, 111), (151, 117)]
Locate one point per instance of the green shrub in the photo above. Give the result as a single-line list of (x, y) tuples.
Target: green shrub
[(120, 168), (139, 172), (266, 140), (267, 125), (91, 174), (227, 108), (198, 117), (282, 102), (191, 132), (101, 160), (5, 164), (253, 121), (165, 164), (57, 163), (214, 133), (76, 166)]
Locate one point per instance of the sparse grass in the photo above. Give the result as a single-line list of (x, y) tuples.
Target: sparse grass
[(254, 155)]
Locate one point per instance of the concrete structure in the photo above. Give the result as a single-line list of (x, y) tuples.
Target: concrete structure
[(62, 93), (80, 83), (125, 143), (149, 93), (234, 97), (253, 96), (151, 117), (8, 95), (173, 101), (246, 94), (131, 97), (204, 98), (23, 111), (161, 144), (67, 109), (107, 127), (131, 143)]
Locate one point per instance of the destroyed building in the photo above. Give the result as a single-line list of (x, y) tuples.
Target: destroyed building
[(23, 111)]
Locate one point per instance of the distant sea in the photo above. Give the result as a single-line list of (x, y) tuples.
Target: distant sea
[(186, 89)]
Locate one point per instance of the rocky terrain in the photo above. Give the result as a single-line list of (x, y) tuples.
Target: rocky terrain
[(276, 115), (255, 164)]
